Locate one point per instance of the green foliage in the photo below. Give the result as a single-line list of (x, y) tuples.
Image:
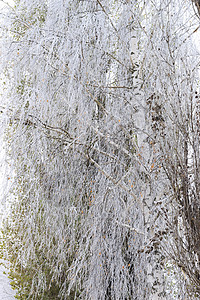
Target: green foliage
[(28, 18), (37, 268)]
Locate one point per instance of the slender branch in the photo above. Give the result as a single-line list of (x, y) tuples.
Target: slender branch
[(129, 227)]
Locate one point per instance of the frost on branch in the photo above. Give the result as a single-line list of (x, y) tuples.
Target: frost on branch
[(93, 91)]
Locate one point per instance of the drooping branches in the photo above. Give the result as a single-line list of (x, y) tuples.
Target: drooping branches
[(103, 133)]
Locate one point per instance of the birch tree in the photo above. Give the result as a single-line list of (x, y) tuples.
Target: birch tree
[(103, 128)]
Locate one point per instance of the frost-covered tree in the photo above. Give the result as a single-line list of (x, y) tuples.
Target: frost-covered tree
[(173, 102), (102, 114)]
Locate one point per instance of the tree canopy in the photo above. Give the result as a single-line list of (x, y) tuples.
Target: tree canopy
[(101, 115)]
